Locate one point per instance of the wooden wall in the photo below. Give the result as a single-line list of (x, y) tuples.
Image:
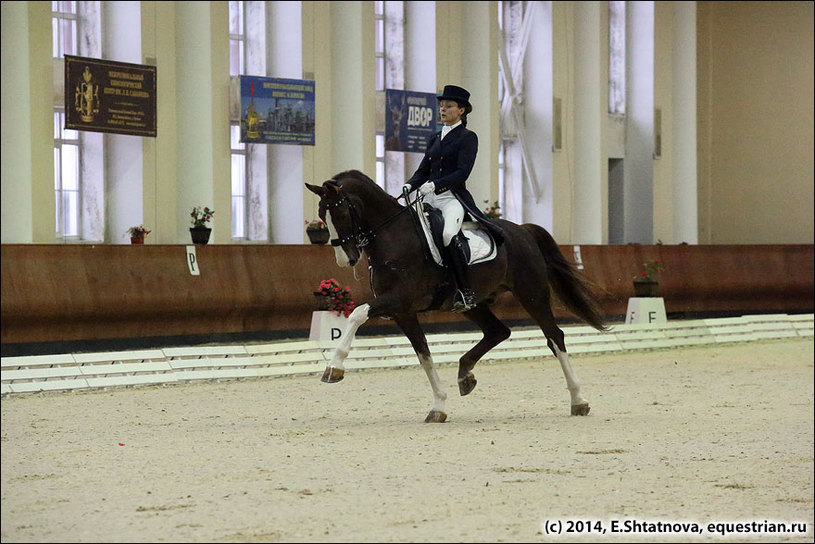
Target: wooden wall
[(64, 293)]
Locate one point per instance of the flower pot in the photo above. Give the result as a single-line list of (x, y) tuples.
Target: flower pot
[(137, 239), (200, 235), (646, 288), (318, 236)]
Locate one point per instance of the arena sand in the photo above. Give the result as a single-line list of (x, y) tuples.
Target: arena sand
[(700, 435)]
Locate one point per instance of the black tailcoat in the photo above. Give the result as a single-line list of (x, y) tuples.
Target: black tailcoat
[(448, 163)]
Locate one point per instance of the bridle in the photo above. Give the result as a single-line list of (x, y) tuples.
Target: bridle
[(361, 237)]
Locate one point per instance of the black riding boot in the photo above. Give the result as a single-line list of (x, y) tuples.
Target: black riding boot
[(465, 299)]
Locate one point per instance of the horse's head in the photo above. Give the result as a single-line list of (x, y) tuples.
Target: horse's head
[(339, 213)]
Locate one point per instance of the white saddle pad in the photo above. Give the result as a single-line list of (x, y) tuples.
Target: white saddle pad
[(482, 247)]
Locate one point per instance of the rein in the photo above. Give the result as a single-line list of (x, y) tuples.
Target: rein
[(363, 238)]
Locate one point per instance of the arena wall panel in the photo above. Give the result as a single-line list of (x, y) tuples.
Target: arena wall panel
[(68, 293)]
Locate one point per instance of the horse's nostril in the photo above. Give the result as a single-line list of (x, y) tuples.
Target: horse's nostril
[(352, 262)]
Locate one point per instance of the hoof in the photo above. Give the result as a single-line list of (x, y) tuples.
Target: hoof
[(467, 384), (332, 375), (580, 409), (435, 417)]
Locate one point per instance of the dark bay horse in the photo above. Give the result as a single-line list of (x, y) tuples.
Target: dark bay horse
[(364, 218)]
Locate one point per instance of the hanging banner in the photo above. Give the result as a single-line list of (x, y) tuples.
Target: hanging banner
[(277, 111), (109, 96), (410, 120)]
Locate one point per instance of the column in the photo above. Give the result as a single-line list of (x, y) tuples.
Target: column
[(683, 118), (123, 163), (202, 65), (28, 207), (590, 105), (639, 149)]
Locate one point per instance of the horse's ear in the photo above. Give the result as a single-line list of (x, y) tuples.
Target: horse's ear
[(332, 186), (316, 189)]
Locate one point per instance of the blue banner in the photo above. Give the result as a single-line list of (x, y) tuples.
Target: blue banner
[(277, 111), (410, 120)]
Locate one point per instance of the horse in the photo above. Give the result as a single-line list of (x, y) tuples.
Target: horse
[(363, 218)]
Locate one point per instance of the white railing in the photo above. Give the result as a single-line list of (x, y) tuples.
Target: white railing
[(84, 371)]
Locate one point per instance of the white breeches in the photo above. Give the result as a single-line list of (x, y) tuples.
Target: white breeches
[(451, 210)]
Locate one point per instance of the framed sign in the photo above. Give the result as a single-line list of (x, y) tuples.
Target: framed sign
[(410, 120), (277, 111), (110, 96)]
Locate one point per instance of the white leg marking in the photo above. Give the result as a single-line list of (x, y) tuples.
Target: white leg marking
[(342, 259), (572, 383), (439, 395), (357, 318)]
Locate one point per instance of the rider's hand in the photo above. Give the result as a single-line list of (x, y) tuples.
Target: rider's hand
[(427, 188), (409, 187)]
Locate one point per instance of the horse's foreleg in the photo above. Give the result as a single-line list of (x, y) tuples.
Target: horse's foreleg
[(580, 406), (413, 330), (335, 371)]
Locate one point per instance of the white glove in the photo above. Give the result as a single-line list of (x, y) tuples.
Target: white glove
[(409, 187), (427, 188)]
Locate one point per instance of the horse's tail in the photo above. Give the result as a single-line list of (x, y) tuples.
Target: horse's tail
[(571, 289)]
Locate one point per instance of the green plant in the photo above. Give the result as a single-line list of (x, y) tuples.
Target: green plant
[(650, 268), (201, 216), (340, 299), (492, 211), (138, 232), (316, 224)]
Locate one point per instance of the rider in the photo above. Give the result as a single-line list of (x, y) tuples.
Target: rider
[(441, 178)]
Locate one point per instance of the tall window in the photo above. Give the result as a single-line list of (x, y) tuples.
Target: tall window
[(239, 151), (66, 178), (616, 57), (66, 142), (237, 39), (510, 171), (379, 51), (63, 28)]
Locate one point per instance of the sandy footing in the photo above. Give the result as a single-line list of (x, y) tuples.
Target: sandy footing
[(696, 435)]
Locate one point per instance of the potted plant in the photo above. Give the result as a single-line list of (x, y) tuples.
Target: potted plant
[(644, 283), (317, 231), (137, 234), (492, 211), (200, 218), (334, 297)]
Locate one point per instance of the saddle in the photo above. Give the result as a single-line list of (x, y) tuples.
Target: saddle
[(479, 245)]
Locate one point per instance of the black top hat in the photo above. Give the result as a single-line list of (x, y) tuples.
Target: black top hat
[(462, 96)]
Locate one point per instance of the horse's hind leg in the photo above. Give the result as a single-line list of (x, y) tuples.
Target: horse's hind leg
[(580, 406), (495, 332), (409, 324), (541, 312)]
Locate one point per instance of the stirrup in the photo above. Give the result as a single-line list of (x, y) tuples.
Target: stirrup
[(465, 302)]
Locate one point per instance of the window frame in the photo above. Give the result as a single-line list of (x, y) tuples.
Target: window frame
[(239, 229), (67, 225)]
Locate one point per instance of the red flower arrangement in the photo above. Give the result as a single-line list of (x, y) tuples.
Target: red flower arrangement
[(138, 232), (651, 268), (340, 299), (316, 224)]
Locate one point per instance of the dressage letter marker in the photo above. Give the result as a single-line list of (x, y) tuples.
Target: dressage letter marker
[(578, 258), (646, 310), (327, 328), (192, 261)]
